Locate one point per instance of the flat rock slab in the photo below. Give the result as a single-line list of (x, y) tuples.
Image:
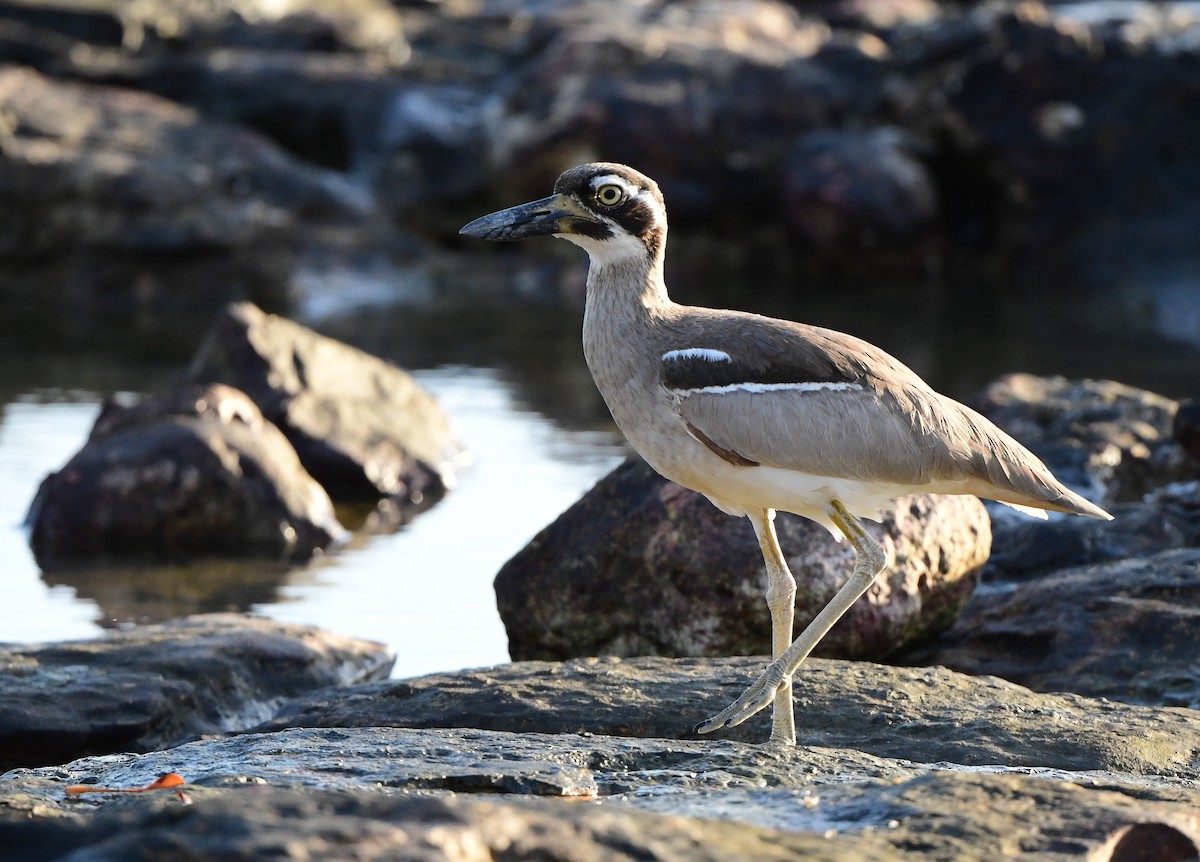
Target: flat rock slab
[(159, 685), (924, 715), (363, 793)]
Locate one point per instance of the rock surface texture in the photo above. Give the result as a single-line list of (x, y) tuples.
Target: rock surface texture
[(641, 566), (197, 472), (938, 788), (155, 686), (363, 427)]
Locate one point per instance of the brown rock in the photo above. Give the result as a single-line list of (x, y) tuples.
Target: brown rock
[(641, 566)]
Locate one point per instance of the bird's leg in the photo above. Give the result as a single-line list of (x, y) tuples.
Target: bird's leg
[(781, 602), (869, 561)]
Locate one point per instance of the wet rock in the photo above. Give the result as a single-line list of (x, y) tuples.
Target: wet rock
[(343, 793), (193, 473), (1126, 630), (924, 715), (155, 686), (641, 566), (1109, 441), (363, 427)]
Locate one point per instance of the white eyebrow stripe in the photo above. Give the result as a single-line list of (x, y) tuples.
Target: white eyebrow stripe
[(705, 353), (758, 388), (615, 180)]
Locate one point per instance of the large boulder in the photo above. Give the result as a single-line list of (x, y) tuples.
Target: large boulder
[(363, 427), (155, 686), (193, 473), (641, 566)]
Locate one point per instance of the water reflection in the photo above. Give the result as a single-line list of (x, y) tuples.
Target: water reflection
[(154, 593)]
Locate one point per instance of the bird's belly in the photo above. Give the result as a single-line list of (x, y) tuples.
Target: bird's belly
[(737, 489)]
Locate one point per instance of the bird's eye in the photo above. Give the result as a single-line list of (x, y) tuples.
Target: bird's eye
[(610, 195)]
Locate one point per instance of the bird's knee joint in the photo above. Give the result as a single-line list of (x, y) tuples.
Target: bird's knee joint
[(781, 594)]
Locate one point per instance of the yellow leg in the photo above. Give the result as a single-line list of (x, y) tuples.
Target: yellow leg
[(868, 563), (781, 602)]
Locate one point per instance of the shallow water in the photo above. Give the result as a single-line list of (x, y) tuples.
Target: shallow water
[(512, 379)]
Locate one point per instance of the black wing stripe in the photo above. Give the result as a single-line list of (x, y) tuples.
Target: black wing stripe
[(697, 368)]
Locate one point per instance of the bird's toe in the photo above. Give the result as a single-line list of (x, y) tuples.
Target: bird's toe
[(757, 697)]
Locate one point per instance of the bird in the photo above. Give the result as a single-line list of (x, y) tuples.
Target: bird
[(763, 415)]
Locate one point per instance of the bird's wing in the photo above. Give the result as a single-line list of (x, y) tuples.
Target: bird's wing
[(804, 398), (783, 394)]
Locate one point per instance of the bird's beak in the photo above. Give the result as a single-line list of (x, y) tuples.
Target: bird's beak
[(557, 214)]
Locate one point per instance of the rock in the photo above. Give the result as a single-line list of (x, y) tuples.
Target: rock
[(1187, 428), (194, 473), (1167, 518), (164, 25), (155, 686), (923, 715), (1033, 104), (118, 207), (858, 188), (641, 566), (275, 794), (363, 427), (1112, 443), (1124, 630), (706, 98)]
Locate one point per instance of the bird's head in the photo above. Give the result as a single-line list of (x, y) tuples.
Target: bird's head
[(609, 210)]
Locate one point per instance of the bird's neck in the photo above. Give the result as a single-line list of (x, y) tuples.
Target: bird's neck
[(626, 301), (625, 291)]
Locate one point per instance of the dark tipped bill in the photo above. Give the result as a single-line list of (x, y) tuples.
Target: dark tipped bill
[(553, 215)]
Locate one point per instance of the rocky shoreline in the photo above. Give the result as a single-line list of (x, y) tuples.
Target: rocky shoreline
[(160, 160)]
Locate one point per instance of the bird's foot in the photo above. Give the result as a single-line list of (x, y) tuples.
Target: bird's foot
[(758, 696)]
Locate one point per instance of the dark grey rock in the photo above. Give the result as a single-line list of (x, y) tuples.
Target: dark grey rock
[(119, 208), (923, 715), (348, 794), (859, 188), (1111, 442), (641, 566), (156, 686), (193, 473), (363, 427), (1126, 630), (1166, 519)]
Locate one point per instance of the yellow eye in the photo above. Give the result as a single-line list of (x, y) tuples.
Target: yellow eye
[(609, 195)]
